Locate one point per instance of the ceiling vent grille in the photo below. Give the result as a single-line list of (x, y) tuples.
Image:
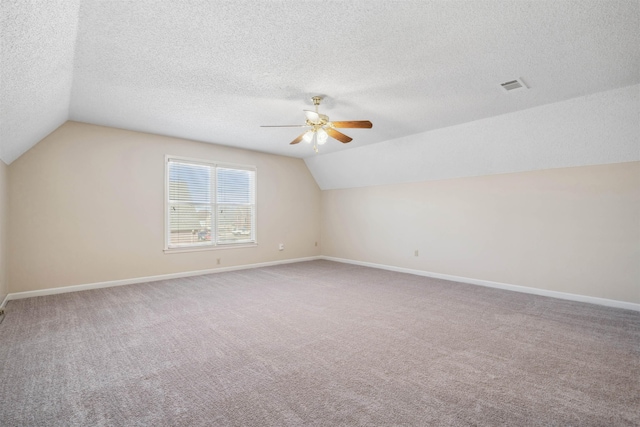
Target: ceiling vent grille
[(512, 85)]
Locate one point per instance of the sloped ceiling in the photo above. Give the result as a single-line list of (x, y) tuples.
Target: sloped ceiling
[(36, 71), (214, 71), (589, 130)]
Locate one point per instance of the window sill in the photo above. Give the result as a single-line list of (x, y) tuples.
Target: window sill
[(209, 248)]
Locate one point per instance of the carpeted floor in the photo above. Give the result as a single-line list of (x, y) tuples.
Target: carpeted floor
[(316, 343)]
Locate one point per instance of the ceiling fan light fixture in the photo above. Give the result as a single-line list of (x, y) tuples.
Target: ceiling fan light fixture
[(322, 136), (308, 136)]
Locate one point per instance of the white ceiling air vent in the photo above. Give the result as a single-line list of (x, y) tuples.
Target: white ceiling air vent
[(512, 85)]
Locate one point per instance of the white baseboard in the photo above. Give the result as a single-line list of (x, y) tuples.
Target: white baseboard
[(498, 285), (111, 283), (487, 283)]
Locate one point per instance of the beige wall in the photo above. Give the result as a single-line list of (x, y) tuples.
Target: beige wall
[(87, 205), (4, 210), (574, 230)]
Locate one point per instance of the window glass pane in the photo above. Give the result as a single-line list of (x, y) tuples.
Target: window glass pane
[(235, 186), (235, 208), (189, 224), (235, 223), (189, 183)]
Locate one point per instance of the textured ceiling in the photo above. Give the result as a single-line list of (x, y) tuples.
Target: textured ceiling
[(37, 41), (215, 71), (589, 130)]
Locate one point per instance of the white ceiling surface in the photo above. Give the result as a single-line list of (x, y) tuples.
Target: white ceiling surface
[(215, 71), (37, 40), (594, 129)]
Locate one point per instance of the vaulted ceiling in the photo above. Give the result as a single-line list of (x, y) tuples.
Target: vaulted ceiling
[(214, 71)]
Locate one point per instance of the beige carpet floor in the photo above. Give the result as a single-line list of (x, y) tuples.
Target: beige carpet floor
[(316, 343)]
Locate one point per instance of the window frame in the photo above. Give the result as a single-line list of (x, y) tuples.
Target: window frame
[(214, 220)]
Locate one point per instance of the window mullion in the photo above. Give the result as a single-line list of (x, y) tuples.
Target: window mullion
[(214, 207)]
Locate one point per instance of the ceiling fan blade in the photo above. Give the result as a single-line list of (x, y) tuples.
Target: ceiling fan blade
[(338, 135), (364, 124), (312, 116), (283, 126), (298, 139)]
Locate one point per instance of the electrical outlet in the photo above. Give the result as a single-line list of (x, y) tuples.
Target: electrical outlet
[(415, 253), (281, 247), (316, 244), (218, 261)]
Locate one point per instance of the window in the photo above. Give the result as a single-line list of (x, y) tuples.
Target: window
[(209, 204)]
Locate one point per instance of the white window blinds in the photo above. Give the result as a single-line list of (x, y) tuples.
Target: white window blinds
[(209, 204), (235, 207)]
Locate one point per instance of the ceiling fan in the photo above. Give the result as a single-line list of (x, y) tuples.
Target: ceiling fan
[(321, 128)]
